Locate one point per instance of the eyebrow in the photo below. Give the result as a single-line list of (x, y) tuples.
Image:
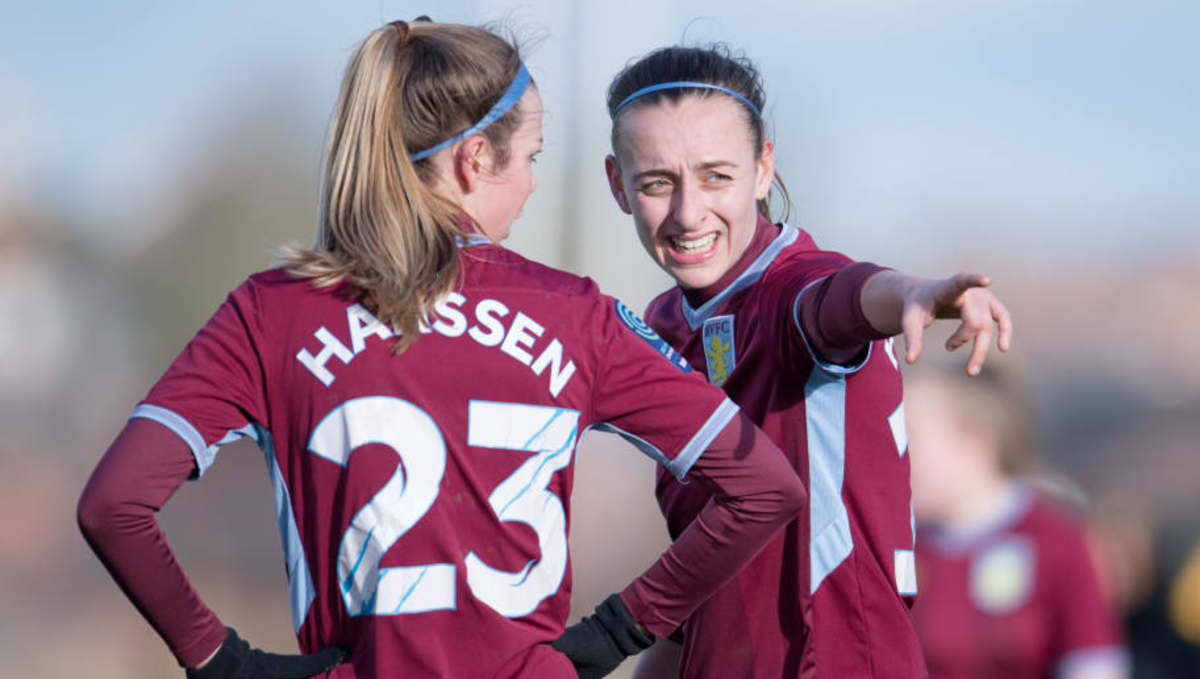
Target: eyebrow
[(661, 172)]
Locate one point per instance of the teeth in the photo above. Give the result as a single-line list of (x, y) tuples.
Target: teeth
[(695, 245)]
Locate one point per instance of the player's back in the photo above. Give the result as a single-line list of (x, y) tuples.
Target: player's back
[(423, 497)]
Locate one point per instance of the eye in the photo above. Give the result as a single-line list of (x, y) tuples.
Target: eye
[(534, 158), (655, 186), (717, 177)]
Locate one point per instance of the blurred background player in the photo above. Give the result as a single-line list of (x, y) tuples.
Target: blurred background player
[(418, 392), (1009, 587), (795, 335)]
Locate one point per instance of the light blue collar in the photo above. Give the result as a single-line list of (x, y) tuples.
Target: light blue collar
[(696, 317)]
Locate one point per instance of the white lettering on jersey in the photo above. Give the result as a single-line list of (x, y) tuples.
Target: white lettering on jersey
[(331, 347), (519, 336), (559, 374), (488, 312), (362, 325), (458, 322), (519, 340)]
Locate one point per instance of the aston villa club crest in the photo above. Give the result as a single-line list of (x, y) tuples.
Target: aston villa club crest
[(1002, 576), (719, 350)]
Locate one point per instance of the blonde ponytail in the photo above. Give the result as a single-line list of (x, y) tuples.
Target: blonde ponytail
[(382, 226)]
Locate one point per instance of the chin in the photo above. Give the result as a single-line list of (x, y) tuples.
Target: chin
[(692, 278)]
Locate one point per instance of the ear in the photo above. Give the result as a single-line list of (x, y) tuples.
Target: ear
[(470, 161), (765, 173), (613, 170)]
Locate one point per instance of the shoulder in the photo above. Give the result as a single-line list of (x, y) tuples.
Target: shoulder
[(1058, 530), (804, 257), (1052, 518), (276, 291), (495, 266), (279, 283)]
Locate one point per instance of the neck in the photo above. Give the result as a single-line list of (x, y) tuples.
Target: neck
[(764, 233), (981, 505)]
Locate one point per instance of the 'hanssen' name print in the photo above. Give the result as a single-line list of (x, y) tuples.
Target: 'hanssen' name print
[(492, 324)]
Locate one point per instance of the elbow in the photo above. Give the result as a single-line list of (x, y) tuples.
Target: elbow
[(777, 502), (792, 496), (90, 514), (96, 514)]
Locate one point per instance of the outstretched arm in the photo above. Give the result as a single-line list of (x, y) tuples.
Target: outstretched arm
[(895, 303)]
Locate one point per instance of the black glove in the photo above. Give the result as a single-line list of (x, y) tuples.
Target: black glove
[(237, 660), (599, 642)]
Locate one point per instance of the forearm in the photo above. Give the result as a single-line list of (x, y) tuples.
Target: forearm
[(755, 492), (882, 300), (142, 468)]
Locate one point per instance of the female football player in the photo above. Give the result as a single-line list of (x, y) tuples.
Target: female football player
[(795, 336), (418, 392), (1008, 586)]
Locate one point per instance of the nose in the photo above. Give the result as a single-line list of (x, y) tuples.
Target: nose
[(688, 205)]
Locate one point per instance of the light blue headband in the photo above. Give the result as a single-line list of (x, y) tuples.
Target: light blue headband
[(678, 84), (511, 96)]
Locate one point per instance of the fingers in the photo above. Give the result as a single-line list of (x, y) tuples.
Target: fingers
[(1004, 320), (912, 324), (982, 314), (949, 298), (979, 350), (960, 336), (966, 281)]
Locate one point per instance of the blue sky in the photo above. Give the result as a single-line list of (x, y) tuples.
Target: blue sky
[(900, 124)]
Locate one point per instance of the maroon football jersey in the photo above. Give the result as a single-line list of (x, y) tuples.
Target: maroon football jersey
[(829, 595), (1019, 598), (423, 499)]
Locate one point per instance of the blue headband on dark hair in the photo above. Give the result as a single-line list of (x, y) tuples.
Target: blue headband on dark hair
[(678, 84), (511, 96)]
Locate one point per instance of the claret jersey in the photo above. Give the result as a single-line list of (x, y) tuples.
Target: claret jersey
[(423, 498), (1018, 598), (829, 595)]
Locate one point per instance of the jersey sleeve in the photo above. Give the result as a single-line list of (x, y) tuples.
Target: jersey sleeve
[(647, 393), (1088, 633), (145, 465), (817, 297), (214, 391)]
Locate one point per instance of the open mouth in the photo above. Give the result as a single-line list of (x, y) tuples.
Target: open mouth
[(693, 246)]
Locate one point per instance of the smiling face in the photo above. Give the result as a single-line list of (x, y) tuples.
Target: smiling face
[(688, 173)]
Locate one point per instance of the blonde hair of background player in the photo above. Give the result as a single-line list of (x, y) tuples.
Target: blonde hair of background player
[(383, 223)]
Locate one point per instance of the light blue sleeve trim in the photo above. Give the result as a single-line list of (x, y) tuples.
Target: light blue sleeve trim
[(690, 452), (831, 368), (204, 454), (1084, 661), (301, 592), (648, 449), (703, 438), (184, 429)]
